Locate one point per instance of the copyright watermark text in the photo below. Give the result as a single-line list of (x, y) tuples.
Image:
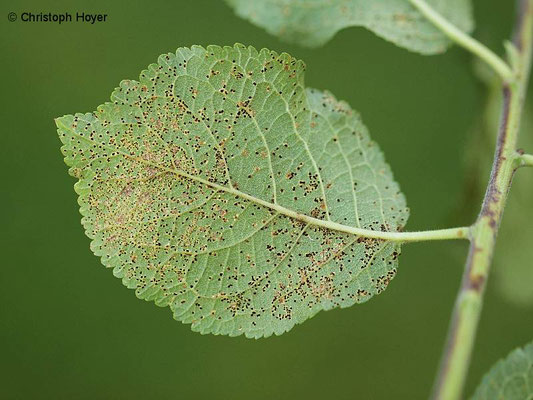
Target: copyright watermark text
[(59, 18)]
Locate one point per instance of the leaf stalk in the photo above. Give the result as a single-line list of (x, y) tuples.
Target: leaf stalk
[(466, 41), (526, 160)]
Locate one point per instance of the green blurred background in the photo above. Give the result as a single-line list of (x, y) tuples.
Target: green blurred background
[(70, 330)]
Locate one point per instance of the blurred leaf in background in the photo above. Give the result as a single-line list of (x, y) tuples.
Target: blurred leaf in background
[(314, 22), (510, 378)]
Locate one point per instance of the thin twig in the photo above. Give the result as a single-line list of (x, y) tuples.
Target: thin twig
[(465, 318)]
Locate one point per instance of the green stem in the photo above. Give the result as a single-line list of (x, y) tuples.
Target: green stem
[(464, 40), (465, 318), (526, 160)]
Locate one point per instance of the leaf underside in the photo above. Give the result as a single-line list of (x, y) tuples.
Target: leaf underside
[(182, 174), (312, 23), (510, 378)]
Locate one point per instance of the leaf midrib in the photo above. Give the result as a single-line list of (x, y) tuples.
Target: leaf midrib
[(368, 233)]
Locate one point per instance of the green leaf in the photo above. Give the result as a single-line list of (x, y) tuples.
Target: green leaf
[(218, 185), (509, 379), (314, 22)]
